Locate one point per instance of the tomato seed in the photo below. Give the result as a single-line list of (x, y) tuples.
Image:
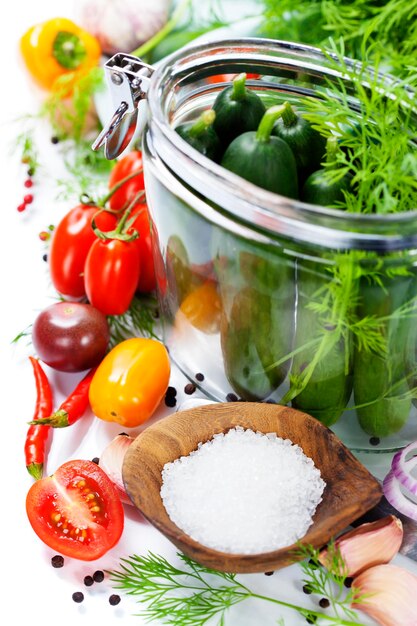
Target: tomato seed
[(114, 599), (57, 561), (78, 596), (28, 183), (28, 198), (88, 581), (21, 207), (98, 576)]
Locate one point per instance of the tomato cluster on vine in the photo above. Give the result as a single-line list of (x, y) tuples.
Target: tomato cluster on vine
[(103, 251)]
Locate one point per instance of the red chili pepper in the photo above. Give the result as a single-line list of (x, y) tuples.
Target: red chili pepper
[(72, 408), (37, 435)]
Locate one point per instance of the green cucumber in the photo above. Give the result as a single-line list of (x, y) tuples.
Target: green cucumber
[(381, 385), (258, 298), (238, 110), (307, 144), (202, 136), (326, 392), (262, 159), (319, 189)]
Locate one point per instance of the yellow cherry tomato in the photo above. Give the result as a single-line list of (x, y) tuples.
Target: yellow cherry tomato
[(58, 48), (202, 307), (130, 382)]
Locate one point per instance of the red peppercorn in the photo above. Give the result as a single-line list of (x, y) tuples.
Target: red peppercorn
[(28, 183), (28, 198), (21, 207), (44, 236)]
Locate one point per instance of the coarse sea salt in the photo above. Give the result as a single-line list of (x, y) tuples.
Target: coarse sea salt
[(243, 492)]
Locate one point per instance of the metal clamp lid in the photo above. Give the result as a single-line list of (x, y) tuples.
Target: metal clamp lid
[(128, 79)]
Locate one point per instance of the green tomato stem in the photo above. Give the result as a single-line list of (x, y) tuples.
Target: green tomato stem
[(117, 186), (289, 116), (239, 87), (263, 134), (164, 32), (205, 120)]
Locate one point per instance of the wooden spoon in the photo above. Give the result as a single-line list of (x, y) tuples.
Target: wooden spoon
[(350, 489)]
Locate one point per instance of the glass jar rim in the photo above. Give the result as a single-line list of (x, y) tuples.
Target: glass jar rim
[(241, 199)]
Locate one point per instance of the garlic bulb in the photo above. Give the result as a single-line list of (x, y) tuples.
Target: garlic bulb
[(122, 25)]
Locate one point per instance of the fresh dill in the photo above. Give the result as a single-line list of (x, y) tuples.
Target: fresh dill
[(388, 28), (189, 594), (139, 319)]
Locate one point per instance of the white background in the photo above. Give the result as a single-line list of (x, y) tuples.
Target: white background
[(32, 591)]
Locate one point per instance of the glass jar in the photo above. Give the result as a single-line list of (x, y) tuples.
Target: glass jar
[(260, 293)]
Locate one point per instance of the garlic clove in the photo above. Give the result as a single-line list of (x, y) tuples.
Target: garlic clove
[(387, 593), (367, 545), (111, 462)]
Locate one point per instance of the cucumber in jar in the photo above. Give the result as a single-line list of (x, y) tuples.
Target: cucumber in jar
[(321, 373), (383, 375), (258, 299)]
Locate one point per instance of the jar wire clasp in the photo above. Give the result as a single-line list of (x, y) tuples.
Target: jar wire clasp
[(128, 79)]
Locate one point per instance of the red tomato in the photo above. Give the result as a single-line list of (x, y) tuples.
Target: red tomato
[(147, 279), (71, 241), (111, 274), (128, 164), (76, 511)]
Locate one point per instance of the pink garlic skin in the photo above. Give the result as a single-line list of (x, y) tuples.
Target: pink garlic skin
[(111, 462), (391, 594), (122, 25), (367, 545)]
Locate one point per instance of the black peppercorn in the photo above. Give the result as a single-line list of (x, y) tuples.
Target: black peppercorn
[(54, 139), (190, 388), (307, 589), (374, 441), (98, 576), (114, 599), (171, 391), (170, 401), (96, 460), (78, 596), (45, 258), (268, 573), (311, 619), (88, 581), (57, 561), (199, 377), (324, 603), (348, 582), (231, 397)]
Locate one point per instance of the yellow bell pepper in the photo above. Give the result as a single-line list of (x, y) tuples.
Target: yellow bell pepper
[(58, 48)]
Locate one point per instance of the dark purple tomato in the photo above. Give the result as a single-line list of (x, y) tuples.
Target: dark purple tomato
[(70, 336)]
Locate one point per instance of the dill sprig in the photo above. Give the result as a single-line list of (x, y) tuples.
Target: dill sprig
[(376, 140), (139, 319), (191, 594), (388, 28)]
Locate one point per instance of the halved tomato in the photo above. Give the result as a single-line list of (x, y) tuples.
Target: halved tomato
[(76, 511)]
